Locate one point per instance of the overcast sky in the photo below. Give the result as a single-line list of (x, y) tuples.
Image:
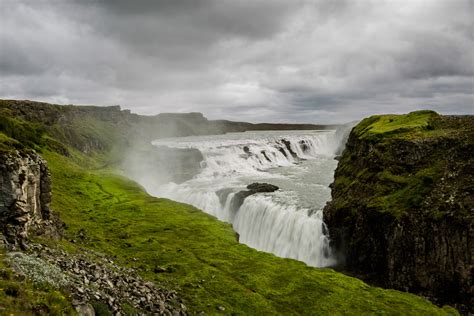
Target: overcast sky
[(248, 60)]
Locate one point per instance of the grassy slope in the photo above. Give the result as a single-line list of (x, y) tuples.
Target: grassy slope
[(392, 124), (204, 262)]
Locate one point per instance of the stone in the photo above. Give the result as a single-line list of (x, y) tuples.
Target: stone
[(262, 187)]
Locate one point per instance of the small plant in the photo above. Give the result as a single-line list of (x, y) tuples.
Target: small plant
[(39, 271)]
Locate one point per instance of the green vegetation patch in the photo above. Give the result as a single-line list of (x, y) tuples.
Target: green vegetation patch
[(378, 126), (18, 133)]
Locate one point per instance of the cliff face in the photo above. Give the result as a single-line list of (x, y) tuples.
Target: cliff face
[(25, 194), (402, 204)]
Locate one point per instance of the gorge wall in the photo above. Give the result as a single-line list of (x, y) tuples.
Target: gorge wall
[(401, 214), (25, 195)]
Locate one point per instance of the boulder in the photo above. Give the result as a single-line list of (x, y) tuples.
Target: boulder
[(261, 187)]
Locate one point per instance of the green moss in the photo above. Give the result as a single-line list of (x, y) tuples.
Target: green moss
[(25, 133), (379, 126), (398, 194), (386, 175), (201, 256)]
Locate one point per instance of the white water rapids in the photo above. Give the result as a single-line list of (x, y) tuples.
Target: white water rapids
[(287, 222)]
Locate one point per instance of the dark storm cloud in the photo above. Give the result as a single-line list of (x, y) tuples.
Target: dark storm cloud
[(260, 60)]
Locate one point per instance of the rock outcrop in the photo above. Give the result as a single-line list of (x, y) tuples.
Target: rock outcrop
[(25, 195), (402, 209)]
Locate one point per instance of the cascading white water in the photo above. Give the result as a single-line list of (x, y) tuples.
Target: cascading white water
[(287, 222), (283, 230)]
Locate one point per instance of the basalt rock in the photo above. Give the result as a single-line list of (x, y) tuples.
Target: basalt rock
[(25, 196), (261, 187), (287, 144), (402, 209)]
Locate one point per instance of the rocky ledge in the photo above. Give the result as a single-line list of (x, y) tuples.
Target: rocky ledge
[(25, 196)]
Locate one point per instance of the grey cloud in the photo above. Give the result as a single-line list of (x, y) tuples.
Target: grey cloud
[(18, 62), (437, 56), (261, 60)]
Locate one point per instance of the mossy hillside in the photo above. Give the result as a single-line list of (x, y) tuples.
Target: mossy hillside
[(180, 247), (16, 133), (379, 126), (394, 162)]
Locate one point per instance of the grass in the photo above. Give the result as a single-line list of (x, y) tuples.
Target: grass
[(200, 257), (25, 133), (379, 126)]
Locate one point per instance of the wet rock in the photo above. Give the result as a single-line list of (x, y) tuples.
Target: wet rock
[(261, 187), (288, 147), (283, 152), (265, 155)]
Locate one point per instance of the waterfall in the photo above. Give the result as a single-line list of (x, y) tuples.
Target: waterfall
[(285, 231), (271, 222)]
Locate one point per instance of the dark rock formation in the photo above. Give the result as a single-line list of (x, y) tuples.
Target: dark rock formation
[(261, 187), (288, 147), (401, 213), (265, 155), (25, 195)]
